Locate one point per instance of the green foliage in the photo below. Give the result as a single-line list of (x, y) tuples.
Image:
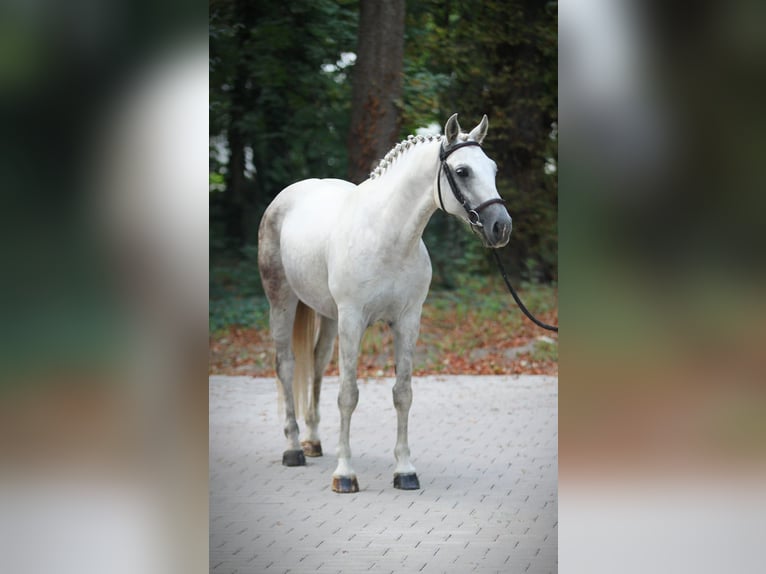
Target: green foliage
[(498, 58), (278, 82), (455, 251), (236, 293), (217, 182), (236, 276), (241, 311), (268, 88)]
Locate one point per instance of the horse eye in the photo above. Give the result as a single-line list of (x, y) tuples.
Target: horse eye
[(462, 171)]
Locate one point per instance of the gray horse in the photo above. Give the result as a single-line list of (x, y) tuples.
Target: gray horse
[(344, 256)]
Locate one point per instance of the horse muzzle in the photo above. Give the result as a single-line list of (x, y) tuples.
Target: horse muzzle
[(496, 226)]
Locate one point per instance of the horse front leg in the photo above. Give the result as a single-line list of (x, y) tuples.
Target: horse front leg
[(405, 337), (350, 328)]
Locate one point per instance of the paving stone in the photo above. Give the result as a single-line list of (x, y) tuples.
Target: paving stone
[(486, 453)]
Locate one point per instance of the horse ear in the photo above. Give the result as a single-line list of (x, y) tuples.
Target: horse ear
[(477, 134), (451, 129)]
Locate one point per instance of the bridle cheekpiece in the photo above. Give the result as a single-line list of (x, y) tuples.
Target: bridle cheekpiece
[(473, 212)]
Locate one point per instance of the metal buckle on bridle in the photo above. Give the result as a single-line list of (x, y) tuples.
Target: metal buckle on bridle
[(474, 219)]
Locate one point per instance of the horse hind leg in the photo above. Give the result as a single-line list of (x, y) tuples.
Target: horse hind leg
[(281, 319), (328, 330), (283, 303)]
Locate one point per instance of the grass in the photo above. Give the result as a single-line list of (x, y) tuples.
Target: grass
[(545, 351), (250, 311), (475, 328)]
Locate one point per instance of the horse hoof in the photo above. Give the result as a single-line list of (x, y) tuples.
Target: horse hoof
[(312, 448), (293, 458), (407, 481), (344, 484)]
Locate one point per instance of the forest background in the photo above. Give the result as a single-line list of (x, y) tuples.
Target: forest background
[(324, 89)]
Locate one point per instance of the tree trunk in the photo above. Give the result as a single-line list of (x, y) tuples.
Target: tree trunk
[(237, 198), (377, 85)]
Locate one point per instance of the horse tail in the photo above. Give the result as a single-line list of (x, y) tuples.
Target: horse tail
[(304, 340)]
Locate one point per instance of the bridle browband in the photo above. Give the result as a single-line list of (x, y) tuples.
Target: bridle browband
[(473, 212)]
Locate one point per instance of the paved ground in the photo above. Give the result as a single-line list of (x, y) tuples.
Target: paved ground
[(486, 453)]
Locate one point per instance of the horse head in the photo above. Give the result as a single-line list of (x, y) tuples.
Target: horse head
[(466, 183)]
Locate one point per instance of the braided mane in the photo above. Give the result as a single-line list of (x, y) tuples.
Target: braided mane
[(400, 149)]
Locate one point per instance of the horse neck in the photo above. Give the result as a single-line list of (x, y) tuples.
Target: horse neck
[(403, 196)]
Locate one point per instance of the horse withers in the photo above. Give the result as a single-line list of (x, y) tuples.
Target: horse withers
[(335, 257)]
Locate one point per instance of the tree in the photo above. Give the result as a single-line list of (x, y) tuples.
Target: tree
[(498, 58), (232, 73), (275, 98), (281, 96), (377, 85)]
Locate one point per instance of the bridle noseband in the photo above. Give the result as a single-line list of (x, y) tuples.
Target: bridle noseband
[(473, 212)]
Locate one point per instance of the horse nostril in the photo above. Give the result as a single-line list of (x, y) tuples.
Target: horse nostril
[(501, 231)]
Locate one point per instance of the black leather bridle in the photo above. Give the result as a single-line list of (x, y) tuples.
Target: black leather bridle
[(475, 219), (473, 212)]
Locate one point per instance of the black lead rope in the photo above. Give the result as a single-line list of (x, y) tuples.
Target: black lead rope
[(516, 298), (475, 220)]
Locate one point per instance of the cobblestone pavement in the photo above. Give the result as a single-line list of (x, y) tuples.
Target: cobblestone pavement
[(485, 449)]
